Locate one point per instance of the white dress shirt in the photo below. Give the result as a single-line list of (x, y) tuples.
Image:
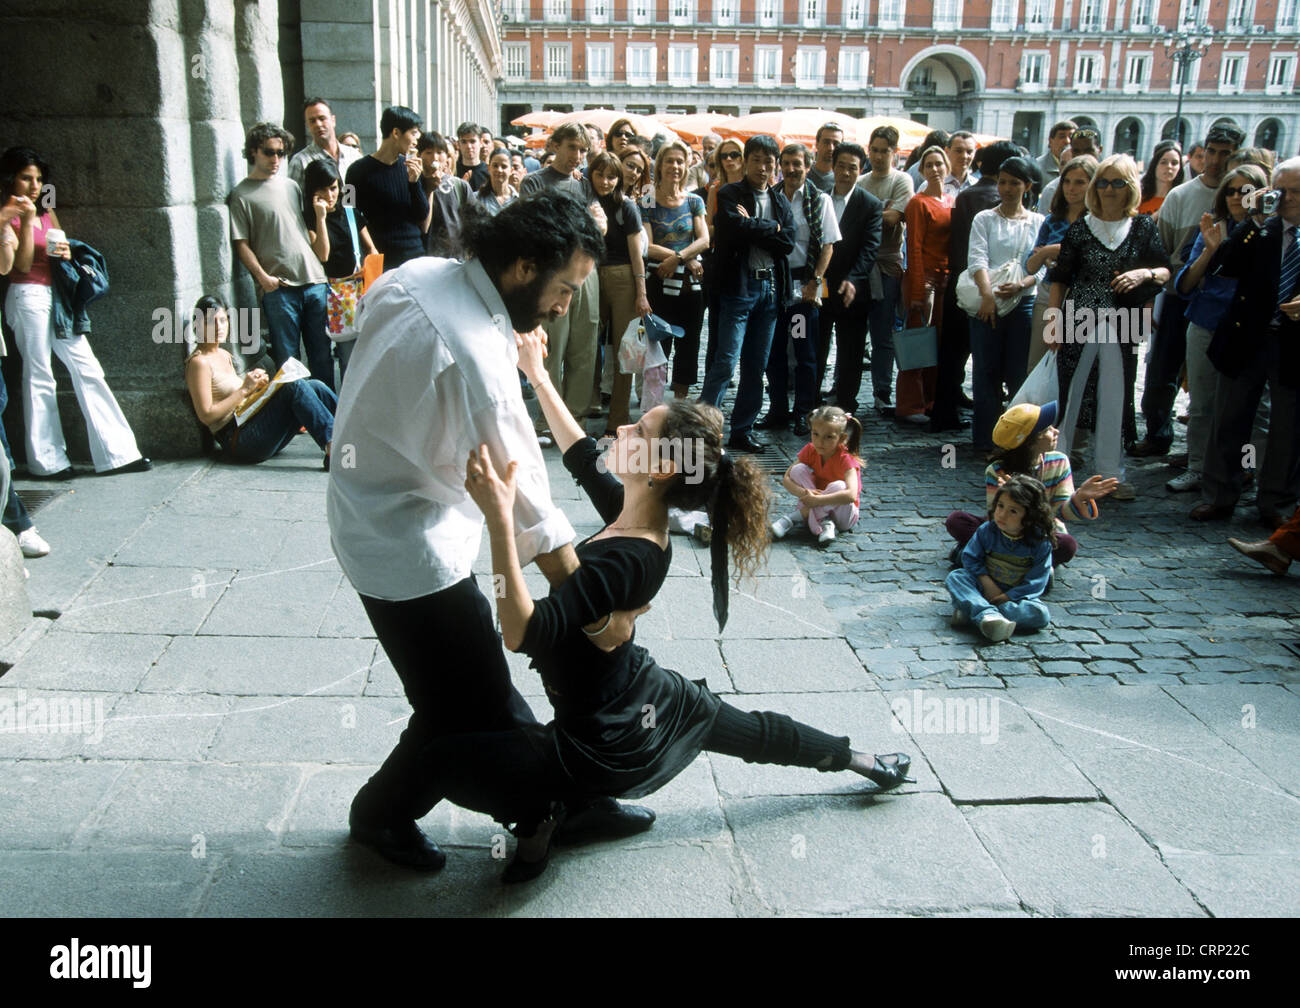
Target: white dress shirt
[(433, 377)]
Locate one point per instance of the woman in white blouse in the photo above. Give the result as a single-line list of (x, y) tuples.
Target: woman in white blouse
[(999, 330)]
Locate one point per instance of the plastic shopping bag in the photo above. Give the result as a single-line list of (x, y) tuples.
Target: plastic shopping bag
[(632, 348), (1040, 387)]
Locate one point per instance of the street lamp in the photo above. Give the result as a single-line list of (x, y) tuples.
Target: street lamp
[(1183, 47)]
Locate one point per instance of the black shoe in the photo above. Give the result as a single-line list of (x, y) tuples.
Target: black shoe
[(746, 443), (801, 428), (890, 771), (1147, 448), (138, 466), (402, 844), (62, 474), (773, 421), (519, 870), (943, 426), (601, 819)]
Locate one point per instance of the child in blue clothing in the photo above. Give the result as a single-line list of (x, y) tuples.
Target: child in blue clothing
[(1007, 563)]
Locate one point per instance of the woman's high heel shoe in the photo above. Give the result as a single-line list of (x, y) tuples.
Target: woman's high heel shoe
[(890, 771)]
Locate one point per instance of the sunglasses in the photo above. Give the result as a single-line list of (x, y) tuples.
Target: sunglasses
[(1115, 183), (732, 154), (1085, 134), (276, 152), (624, 135), (1238, 190)]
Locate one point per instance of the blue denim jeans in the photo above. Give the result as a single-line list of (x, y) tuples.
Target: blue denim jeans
[(745, 327), (305, 403), (803, 336), (1000, 354), (881, 324), (1027, 614), (16, 519), (296, 314)]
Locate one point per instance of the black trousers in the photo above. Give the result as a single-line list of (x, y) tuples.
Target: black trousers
[(514, 775), (954, 352), (446, 650), (1164, 365), (850, 334)]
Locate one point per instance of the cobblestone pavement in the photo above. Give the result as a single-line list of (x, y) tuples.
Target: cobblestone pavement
[(1139, 756)]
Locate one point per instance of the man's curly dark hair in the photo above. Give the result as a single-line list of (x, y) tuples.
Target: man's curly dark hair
[(545, 229)]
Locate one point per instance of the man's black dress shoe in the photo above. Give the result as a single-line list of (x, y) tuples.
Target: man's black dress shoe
[(404, 844), (1210, 512), (801, 428), (746, 443), (774, 421), (602, 819), (62, 474), (139, 465)]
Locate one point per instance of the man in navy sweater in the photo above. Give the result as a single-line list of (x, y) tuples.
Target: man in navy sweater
[(387, 190)]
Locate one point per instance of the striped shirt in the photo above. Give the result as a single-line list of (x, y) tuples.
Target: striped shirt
[(1055, 475)]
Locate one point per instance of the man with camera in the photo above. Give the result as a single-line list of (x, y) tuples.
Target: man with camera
[(1256, 345)]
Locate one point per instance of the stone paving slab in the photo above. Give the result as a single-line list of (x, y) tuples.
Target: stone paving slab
[(146, 600), (310, 730), (1079, 860), (147, 884), (262, 666), (46, 802), (108, 662), (143, 726), (1260, 722), (1240, 885), (49, 724), (848, 855), (273, 604), (163, 541), (810, 665)]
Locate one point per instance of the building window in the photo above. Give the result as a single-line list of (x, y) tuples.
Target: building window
[(1281, 74), (598, 11), (1288, 15), (557, 11), (853, 69), (1239, 15), (855, 13), (641, 64), (1087, 72), (681, 64), (1232, 72), (947, 14), (1191, 13), (557, 62), (767, 66), (641, 11), (769, 13), (516, 54), (516, 11), (810, 67), (724, 12), (724, 65), (891, 13), (1033, 71), (1137, 73), (681, 12), (1091, 15), (1037, 15), (600, 63), (812, 13), (1185, 72), (1004, 15), (1141, 15)]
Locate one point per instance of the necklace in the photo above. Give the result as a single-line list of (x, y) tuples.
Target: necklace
[(1017, 216)]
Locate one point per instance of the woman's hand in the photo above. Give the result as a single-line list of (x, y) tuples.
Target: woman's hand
[(321, 205), (494, 495), (532, 355), (1129, 281), (1008, 289), (1210, 233), (668, 267), (695, 268), (598, 215), (254, 381), (988, 309), (642, 306)]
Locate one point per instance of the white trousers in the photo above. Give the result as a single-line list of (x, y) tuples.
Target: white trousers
[(112, 443), (1108, 447)]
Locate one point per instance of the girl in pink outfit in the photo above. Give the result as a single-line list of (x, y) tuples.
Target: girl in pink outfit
[(825, 478)]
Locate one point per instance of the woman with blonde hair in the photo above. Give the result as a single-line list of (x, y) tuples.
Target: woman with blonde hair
[(676, 236), (1111, 258)]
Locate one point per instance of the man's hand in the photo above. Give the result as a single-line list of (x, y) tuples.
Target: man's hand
[(269, 283), (1291, 309), (414, 168), (809, 292), (619, 630), (848, 292)]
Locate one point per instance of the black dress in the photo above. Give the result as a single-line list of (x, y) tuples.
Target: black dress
[(623, 725)]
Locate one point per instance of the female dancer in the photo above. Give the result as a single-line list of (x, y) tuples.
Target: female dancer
[(29, 309), (623, 725)]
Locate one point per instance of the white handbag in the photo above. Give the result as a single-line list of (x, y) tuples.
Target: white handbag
[(968, 292)]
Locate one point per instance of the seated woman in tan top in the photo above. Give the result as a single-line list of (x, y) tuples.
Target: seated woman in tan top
[(217, 388)]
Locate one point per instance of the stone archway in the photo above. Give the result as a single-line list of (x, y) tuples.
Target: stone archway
[(1269, 134), (956, 63), (1128, 137)]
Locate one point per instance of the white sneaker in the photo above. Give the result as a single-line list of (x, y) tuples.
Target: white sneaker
[(781, 527), (917, 418), (828, 532), (997, 627), (1185, 483), (958, 618), (32, 545)]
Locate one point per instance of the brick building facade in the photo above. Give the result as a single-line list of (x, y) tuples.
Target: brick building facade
[(1008, 67)]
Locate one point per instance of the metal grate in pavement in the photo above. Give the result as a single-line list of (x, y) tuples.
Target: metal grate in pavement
[(34, 500)]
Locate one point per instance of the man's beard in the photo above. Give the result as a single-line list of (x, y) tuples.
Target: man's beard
[(523, 303)]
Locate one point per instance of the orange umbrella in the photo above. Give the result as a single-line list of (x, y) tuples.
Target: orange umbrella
[(911, 134), (694, 128), (538, 120), (790, 126), (646, 126), (984, 139)]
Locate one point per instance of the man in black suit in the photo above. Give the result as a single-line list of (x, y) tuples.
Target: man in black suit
[(848, 276), (954, 337), (1258, 343), (754, 233)]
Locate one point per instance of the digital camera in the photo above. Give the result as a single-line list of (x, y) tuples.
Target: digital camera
[(1260, 201)]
